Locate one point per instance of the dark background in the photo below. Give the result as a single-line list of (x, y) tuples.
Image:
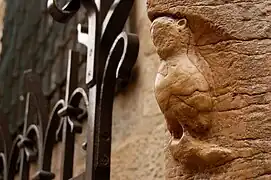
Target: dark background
[(33, 40)]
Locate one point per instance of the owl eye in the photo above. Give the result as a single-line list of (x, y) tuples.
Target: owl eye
[(182, 23)]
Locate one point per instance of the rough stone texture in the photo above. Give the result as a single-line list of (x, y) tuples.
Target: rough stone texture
[(138, 125), (213, 86)]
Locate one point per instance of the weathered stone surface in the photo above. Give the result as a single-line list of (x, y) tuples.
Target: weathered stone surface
[(138, 125), (213, 86)]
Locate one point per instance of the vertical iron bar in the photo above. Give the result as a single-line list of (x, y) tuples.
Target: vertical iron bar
[(93, 43), (90, 167), (24, 166), (68, 134), (106, 49), (68, 148)]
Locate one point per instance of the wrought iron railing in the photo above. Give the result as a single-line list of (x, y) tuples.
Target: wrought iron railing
[(110, 57)]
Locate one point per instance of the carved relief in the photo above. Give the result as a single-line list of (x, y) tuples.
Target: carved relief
[(213, 87), (183, 93)]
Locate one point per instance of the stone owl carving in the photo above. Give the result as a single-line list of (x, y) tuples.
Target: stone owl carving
[(183, 92)]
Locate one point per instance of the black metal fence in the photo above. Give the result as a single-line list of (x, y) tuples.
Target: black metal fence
[(111, 54)]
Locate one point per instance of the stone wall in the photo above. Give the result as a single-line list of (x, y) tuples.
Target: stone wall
[(138, 127), (213, 86)]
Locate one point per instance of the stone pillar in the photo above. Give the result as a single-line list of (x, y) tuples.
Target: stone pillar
[(214, 86)]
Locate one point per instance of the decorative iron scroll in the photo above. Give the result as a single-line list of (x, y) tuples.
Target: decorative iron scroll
[(110, 57)]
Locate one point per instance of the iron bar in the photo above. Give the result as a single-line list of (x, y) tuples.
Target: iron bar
[(111, 54)]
